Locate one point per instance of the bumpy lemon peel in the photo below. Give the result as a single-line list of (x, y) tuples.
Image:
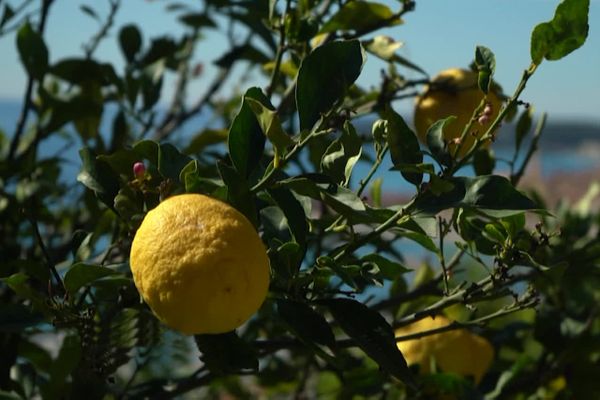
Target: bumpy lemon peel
[(199, 264)]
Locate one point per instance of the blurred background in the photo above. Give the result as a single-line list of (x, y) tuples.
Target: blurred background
[(438, 35)]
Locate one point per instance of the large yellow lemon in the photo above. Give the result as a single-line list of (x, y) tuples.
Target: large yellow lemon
[(199, 264), (458, 351), (454, 92)]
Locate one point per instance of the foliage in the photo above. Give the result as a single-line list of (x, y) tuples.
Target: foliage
[(294, 156)]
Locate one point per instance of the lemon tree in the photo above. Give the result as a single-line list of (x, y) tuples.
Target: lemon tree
[(253, 253)]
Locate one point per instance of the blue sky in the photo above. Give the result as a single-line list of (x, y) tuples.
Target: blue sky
[(439, 35)]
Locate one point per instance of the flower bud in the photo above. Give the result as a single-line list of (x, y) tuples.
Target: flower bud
[(483, 119), (488, 110), (139, 169)]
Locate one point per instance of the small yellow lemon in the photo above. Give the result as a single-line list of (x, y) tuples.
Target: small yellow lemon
[(455, 92), (199, 264), (456, 351)]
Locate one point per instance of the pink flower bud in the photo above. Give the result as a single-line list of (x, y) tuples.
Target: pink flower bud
[(483, 119), (139, 169), (488, 110)]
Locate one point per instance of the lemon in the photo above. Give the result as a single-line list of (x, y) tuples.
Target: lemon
[(199, 264), (457, 351), (455, 92)]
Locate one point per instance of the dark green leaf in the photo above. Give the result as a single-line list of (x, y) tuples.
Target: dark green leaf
[(294, 213), (486, 65), (324, 76), (197, 20), (171, 161), (66, 362), (361, 15), (404, 146), (130, 39), (32, 51), (308, 324), (490, 192), (388, 269), (373, 335), (98, 176), (271, 126), (80, 71), (238, 192), (81, 274), (421, 239), (286, 260), (246, 138), (17, 317), (566, 32), (226, 353), (19, 283), (484, 162), (341, 156), (160, 48), (436, 141)]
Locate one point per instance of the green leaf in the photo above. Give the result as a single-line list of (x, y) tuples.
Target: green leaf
[(383, 47), (32, 51), (160, 48), (82, 274), (171, 161), (226, 353), (306, 323), (342, 154), (341, 199), (404, 146), (484, 162), (294, 213), (566, 32), (486, 65), (388, 269), (361, 15), (17, 317), (324, 76), (436, 141), (98, 176), (238, 192), (19, 284), (421, 239), (197, 20), (373, 335), (246, 138), (82, 71), (65, 363), (493, 233), (286, 260), (130, 40), (490, 192), (271, 126)]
